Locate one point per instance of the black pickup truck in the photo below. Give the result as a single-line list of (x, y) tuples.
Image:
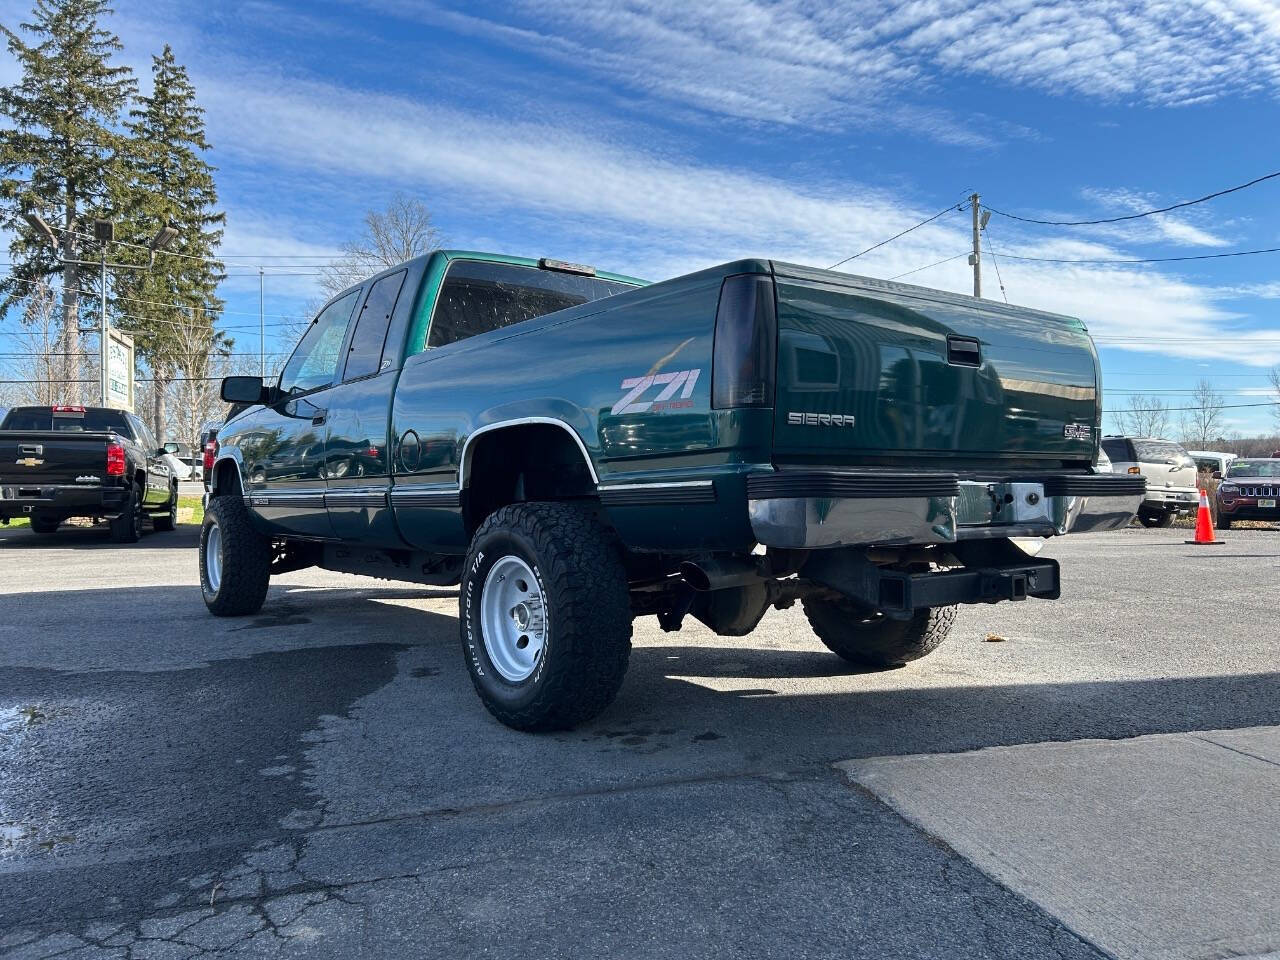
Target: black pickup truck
[(72, 461)]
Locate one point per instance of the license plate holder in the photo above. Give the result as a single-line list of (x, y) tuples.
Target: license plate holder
[(1267, 504)]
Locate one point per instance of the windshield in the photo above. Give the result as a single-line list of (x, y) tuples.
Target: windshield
[(74, 420), (1241, 469)]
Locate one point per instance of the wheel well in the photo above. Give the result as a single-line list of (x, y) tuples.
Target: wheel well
[(225, 480), (533, 461)]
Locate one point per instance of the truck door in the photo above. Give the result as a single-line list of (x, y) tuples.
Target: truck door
[(357, 464), (283, 445)]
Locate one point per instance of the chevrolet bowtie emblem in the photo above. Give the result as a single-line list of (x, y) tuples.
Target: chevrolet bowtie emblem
[(29, 462)]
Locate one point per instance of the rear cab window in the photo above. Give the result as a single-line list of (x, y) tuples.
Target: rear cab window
[(479, 296), (70, 420)]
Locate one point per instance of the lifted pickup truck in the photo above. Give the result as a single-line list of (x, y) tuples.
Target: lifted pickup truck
[(577, 448), (72, 461)]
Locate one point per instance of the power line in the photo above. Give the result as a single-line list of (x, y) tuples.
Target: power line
[(876, 246), (1136, 216), (996, 263), (1225, 406), (1202, 256), (937, 263)]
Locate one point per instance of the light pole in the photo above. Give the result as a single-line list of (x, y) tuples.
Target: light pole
[(104, 232)]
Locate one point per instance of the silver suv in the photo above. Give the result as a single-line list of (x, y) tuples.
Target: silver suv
[(1170, 473)]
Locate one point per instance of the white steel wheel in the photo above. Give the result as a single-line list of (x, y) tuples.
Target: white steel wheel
[(213, 557), (513, 619)]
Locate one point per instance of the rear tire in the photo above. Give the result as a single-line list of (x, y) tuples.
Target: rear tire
[(546, 576), (44, 527), (127, 528), (235, 559), (168, 520), (1164, 519), (874, 640)]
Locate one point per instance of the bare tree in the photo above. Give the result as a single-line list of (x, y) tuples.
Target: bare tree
[(49, 367), (1145, 416), (400, 232), (1202, 421), (1275, 387)]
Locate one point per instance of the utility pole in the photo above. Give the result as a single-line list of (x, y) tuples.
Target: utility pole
[(975, 258), (104, 345), (262, 335)]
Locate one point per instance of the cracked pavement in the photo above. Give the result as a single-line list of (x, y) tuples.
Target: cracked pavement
[(320, 780)]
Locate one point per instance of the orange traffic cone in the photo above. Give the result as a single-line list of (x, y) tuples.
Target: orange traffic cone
[(1204, 523)]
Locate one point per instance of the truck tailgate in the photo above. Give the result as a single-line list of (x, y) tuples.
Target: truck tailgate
[(47, 458), (870, 370)]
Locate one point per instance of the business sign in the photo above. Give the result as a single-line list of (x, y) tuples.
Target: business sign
[(120, 371)]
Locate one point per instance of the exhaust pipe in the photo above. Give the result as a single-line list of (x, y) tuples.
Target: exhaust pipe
[(719, 574)]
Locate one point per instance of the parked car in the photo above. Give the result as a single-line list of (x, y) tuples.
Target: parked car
[(1250, 490), (1211, 461), (577, 448), (72, 461), (177, 455), (1170, 473)]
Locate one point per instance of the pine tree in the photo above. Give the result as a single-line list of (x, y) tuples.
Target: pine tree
[(171, 308), (60, 157)]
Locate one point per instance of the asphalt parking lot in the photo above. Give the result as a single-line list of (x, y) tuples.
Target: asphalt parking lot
[(1094, 777)]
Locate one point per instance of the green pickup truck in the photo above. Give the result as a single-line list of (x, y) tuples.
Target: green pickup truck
[(576, 448)]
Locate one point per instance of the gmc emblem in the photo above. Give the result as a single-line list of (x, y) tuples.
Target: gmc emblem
[(1077, 431), (820, 419)]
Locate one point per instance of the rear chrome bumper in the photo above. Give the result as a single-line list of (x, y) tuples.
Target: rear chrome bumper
[(817, 509)]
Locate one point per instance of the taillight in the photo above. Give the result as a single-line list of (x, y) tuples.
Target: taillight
[(745, 343), (115, 460), (210, 451)]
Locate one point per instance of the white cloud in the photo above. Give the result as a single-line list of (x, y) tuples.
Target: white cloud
[(837, 65), (657, 216)]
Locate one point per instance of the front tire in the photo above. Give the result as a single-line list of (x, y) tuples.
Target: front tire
[(1156, 519), (871, 639), (127, 528), (235, 560), (1223, 523), (545, 615), (168, 520)]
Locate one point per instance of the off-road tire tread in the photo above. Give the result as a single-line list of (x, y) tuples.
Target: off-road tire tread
[(580, 561), (122, 528), (884, 643), (246, 560), (166, 521)]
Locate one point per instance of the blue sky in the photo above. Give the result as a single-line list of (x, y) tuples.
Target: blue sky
[(653, 137)]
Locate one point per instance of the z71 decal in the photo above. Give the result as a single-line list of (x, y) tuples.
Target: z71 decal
[(670, 383)]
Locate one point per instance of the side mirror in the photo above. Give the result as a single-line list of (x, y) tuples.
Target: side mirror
[(1217, 474), (242, 390), (162, 451)]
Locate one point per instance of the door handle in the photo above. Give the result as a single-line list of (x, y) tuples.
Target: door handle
[(318, 419), (964, 351)]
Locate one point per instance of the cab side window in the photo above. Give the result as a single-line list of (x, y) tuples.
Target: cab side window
[(1116, 450), (314, 363), (371, 348)]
